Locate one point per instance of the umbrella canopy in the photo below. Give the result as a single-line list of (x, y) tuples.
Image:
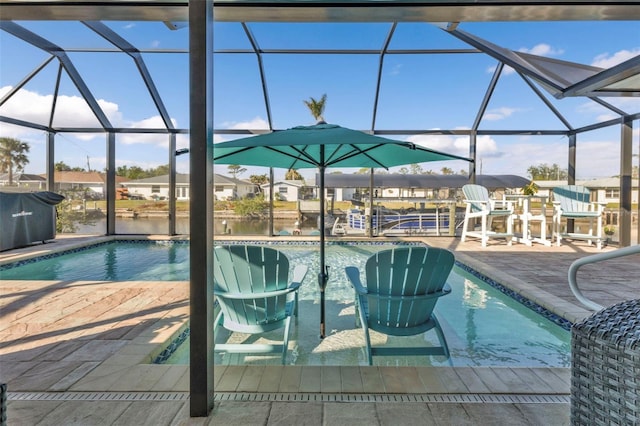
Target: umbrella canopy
[(320, 146), (300, 147)]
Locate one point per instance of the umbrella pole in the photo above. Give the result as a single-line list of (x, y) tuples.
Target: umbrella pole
[(271, 200), (323, 276), (370, 218)]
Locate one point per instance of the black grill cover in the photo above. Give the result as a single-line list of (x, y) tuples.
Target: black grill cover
[(26, 218)]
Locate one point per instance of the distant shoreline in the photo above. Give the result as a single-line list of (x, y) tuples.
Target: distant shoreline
[(226, 214)]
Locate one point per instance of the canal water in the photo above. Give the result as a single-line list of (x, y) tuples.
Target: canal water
[(221, 226), (238, 227)]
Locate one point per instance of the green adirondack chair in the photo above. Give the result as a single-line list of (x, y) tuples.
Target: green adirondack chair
[(480, 205), (574, 202), (402, 287), (255, 294)]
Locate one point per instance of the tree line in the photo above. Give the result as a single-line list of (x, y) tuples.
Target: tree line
[(14, 157)]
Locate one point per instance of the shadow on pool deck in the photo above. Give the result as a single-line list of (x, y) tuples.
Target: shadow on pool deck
[(73, 353)]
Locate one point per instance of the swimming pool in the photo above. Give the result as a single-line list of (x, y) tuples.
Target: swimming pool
[(124, 260), (483, 324)]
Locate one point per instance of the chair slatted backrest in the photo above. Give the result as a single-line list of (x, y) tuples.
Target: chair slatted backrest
[(395, 277), (246, 270), (476, 193), (572, 198)]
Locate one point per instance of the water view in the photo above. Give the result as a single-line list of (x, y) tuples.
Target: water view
[(232, 226), (161, 226)]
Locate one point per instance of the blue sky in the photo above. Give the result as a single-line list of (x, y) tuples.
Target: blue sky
[(418, 91)]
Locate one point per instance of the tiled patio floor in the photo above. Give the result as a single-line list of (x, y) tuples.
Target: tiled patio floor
[(76, 353)]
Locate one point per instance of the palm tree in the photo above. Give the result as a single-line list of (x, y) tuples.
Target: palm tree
[(317, 107), (293, 174), (13, 155), (235, 170)]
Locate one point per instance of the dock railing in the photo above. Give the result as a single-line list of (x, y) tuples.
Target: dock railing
[(573, 271)]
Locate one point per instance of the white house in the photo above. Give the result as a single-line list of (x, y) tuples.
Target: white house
[(286, 190), (23, 182), (157, 187), (92, 184), (606, 190), (226, 188)]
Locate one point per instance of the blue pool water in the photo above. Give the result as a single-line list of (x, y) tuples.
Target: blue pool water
[(132, 260), (485, 324)]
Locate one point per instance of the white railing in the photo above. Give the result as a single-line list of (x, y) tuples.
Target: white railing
[(573, 271)]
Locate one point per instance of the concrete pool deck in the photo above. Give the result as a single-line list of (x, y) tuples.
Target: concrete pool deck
[(78, 353)]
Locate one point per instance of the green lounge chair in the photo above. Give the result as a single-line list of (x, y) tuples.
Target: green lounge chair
[(479, 204), (402, 287), (255, 294), (573, 202)]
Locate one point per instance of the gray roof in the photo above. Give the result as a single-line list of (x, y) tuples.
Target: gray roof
[(22, 177), (421, 181)]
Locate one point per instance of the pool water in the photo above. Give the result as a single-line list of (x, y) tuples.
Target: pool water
[(131, 260), (483, 325)]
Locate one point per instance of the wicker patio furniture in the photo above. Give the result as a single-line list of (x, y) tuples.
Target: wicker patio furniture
[(605, 367)]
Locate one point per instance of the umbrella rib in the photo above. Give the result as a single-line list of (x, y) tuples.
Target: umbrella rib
[(358, 151), (407, 145), (302, 157), (229, 154), (309, 158)]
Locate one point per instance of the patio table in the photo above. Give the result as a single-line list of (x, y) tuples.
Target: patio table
[(526, 216)]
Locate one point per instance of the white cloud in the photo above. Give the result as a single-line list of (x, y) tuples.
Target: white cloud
[(542, 49), (444, 143), (457, 145), (486, 146), (256, 123), (498, 113), (395, 70), (595, 158), (599, 113), (606, 117), (507, 70), (73, 111), (606, 61)]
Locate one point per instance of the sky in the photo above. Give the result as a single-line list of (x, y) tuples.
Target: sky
[(417, 92)]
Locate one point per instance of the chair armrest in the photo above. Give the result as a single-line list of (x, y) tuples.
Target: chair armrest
[(249, 296), (295, 285), (433, 295), (299, 272), (501, 204), (353, 274)]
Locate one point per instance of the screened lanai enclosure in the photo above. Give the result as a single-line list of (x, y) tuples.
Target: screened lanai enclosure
[(111, 85), (460, 87)]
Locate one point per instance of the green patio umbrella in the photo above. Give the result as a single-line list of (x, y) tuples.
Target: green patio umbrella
[(321, 146)]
